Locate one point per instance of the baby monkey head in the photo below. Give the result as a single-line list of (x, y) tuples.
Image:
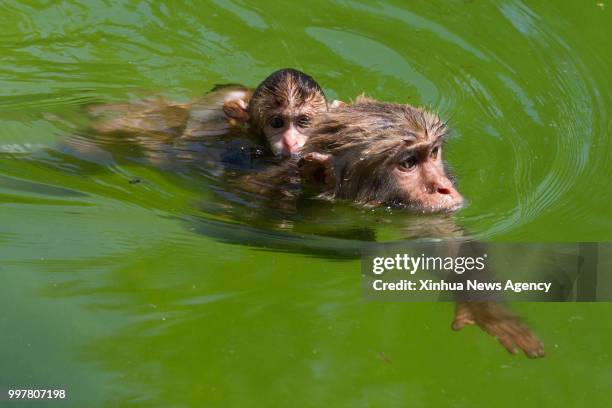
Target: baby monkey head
[(378, 153), (281, 108)]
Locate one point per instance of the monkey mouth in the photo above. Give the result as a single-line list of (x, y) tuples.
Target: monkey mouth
[(455, 207), (414, 206)]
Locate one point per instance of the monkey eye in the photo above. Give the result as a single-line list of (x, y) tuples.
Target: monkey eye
[(434, 152), (303, 121), (277, 122), (409, 163)]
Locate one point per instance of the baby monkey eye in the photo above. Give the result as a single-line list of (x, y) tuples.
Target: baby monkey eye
[(434, 152), (277, 122), (409, 163), (303, 121)]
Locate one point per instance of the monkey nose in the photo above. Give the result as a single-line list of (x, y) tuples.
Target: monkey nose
[(443, 190), (290, 146)]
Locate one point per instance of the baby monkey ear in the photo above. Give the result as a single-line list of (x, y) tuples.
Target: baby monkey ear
[(335, 104), (236, 109), (317, 169)]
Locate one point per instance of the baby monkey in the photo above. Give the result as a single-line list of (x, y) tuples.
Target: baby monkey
[(281, 109), (278, 111)]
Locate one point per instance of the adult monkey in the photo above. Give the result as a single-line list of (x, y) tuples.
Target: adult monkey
[(375, 153)]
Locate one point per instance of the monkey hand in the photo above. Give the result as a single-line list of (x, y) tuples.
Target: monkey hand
[(500, 323), (317, 169)]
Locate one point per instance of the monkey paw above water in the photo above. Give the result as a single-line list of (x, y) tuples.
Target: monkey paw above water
[(500, 323), (316, 168)]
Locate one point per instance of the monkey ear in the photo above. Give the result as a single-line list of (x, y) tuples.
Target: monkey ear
[(236, 109), (335, 104), (363, 99), (317, 169)]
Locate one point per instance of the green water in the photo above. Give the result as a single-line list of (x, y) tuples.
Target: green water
[(147, 294)]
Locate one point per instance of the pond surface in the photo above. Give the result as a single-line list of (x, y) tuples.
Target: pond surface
[(132, 284)]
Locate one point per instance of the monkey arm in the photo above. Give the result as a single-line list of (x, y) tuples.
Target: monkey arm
[(500, 323), (486, 310)]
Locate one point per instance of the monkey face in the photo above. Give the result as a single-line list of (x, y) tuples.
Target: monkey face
[(414, 179), (281, 109), (284, 132), (420, 181)]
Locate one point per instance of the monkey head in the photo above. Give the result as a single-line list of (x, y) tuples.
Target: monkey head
[(377, 153), (281, 109)]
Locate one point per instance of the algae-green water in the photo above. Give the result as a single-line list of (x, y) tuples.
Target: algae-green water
[(148, 293)]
